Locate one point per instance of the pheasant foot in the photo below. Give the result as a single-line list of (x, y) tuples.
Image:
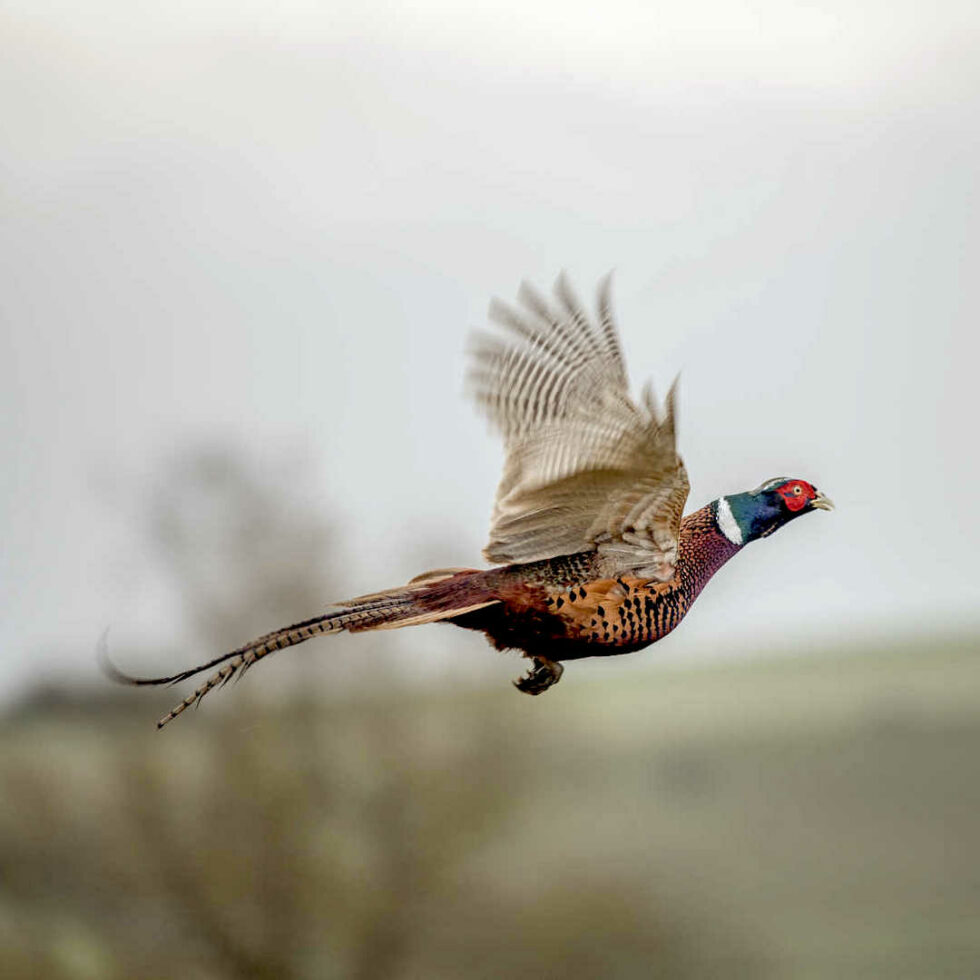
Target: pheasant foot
[(544, 674)]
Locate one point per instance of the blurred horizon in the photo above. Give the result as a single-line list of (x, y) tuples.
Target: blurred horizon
[(232, 555), (805, 818)]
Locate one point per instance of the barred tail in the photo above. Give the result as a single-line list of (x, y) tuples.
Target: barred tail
[(424, 600)]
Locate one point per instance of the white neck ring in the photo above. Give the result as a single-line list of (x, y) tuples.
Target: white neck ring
[(727, 523)]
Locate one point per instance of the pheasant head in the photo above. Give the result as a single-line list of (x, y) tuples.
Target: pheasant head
[(744, 517)]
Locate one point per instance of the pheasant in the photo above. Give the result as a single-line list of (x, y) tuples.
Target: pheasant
[(592, 554)]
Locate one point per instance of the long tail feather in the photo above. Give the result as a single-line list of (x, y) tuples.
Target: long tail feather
[(423, 602)]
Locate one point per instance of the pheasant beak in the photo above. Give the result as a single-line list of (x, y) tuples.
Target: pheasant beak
[(821, 502)]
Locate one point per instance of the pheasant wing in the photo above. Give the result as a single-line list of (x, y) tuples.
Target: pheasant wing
[(586, 466)]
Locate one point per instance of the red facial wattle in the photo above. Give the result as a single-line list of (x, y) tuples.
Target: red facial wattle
[(796, 494)]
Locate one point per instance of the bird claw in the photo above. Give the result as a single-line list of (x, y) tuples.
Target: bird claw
[(544, 674)]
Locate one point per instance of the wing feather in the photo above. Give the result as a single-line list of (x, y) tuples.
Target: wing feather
[(586, 466)]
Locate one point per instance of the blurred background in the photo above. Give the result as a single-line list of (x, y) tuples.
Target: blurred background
[(242, 248)]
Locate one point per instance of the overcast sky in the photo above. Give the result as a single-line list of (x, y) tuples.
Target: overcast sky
[(273, 226)]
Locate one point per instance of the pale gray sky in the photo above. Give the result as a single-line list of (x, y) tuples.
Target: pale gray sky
[(223, 221)]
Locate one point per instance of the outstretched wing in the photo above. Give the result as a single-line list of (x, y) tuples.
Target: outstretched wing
[(586, 466)]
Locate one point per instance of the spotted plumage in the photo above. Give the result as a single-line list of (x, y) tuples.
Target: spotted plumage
[(592, 554)]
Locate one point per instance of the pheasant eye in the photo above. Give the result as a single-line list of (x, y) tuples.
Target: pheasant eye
[(797, 489)]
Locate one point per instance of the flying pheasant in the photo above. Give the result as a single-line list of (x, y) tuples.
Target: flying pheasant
[(593, 555)]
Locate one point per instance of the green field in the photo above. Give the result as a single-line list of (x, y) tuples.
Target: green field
[(809, 817)]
